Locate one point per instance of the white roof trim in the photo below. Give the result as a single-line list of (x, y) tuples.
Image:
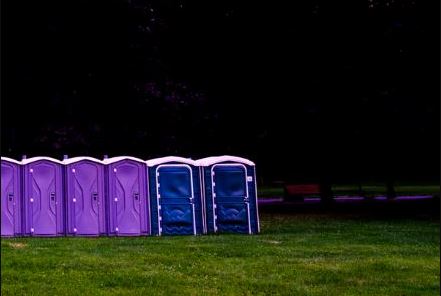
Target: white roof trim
[(217, 159), (203, 161), (10, 160), (119, 158), (38, 158), (80, 158), (156, 161)]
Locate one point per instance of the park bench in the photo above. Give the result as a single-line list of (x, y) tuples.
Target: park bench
[(299, 191)]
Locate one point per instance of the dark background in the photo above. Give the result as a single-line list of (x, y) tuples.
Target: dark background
[(346, 89)]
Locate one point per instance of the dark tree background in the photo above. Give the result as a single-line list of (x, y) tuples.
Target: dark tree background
[(345, 89)]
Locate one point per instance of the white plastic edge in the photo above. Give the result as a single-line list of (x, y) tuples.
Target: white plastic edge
[(80, 158), (119, 158), (161, 160), (37, 158), (10, 160), (218, 159)]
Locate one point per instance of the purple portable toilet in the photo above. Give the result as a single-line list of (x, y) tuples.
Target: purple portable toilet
[(11, 198), (128, 205), (84, 189), (43, 200)]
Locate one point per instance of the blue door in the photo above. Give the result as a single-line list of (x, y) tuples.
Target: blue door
[(230, 198), (175, 199)]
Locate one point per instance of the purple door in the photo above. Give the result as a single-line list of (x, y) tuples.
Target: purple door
[(85, 198), (11, 199), (128, 202), (43, 197)]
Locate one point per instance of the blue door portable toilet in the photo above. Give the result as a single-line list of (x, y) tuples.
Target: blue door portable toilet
[(175, 196), (230, 194)]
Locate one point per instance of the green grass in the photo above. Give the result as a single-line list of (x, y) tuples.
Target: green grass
[(294, 255), (379, 189), (270, 191), (368, 189)]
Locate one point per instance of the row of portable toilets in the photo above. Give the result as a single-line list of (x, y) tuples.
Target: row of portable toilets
[(127, 196)]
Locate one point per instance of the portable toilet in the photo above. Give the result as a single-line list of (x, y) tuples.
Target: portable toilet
[(11, 206), (85, 196), (128, 205), (175, 196), (43, 197), (230, 193)]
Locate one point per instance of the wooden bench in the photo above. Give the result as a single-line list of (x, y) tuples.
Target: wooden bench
[(299, 191)]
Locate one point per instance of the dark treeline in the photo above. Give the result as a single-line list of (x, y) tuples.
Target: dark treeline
[(347, 90)]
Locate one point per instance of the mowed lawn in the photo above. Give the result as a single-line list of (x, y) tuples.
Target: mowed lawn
[(294, 255), (367, 189)]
